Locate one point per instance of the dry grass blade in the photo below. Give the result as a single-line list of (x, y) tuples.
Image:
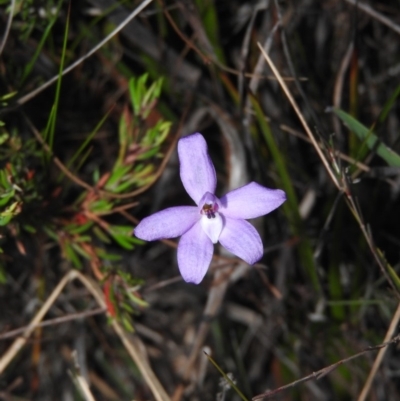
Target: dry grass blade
[(393, 326), (338, 89), (374, 14), (19, 343), (51, 322), (214, 301), (325, 371), (132, 345), (300, 116), (8, 26), (80, 380), (343, 185)]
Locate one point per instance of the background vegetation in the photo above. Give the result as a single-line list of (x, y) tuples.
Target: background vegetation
[(94, 95)]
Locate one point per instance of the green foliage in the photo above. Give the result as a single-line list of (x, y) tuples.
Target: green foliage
[(122, 299), (53, 14), (133, 168), (143, 97), (82, 228), (18, 185), (8, 213), (51, 125), (138, 142), (209, 16), (33, 16), (6, 189), (123, 236), (370, 139)]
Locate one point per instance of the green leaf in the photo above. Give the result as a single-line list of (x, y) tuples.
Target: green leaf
[(5, 197), (125, 185), (210, 19), (372, 141), (118, 173), (392, 273), (136, 90), (127, 324), (123, 241), (88, 139), (51, 124), (148, 154), (83, 238), (52, 234), (96, 176), (3, 277), (137, 300), (5, 219), (80, 251), (123, 235), (100, 235), (29, 228), (72, 256), (389, 104), (101, 205), (39, 47), (8, 96), (4, 181), (107, 256), (143, 99), (78, 229), (156, 135), (8, 214), (4, 138), (127, 307)]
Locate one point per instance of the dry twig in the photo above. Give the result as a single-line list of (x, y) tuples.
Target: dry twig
[(325, 371), (132, 344), (8, 26), (342, 185), (374, 14), (301, 118)]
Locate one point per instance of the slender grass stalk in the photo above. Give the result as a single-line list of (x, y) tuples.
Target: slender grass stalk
[(87, 140), (28, 68), (291, 207), (8, 26), (49, 134), (227, 378)]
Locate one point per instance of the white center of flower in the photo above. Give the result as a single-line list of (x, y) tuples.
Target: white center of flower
[(211, 221)]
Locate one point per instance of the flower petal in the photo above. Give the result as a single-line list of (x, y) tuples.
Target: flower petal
[(168, 223), (250, 201), (242, 239), (196, 168), (195, 252), (212, 226)]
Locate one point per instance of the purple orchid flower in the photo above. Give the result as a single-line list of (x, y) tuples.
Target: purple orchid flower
[(213, 219)]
